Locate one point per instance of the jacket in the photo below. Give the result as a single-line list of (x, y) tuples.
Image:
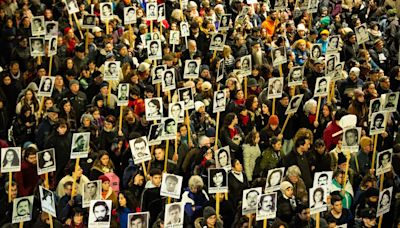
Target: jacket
[(250, 154)]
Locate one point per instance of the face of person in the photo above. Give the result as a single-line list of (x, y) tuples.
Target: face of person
[(266, 203), (318, 196), (80, 142), (218, 178), (137, 223), (316, 52), (168, 78), (220, 99), (275, 178), (100, 212), (192, 67), (322, 180), (252, 199), (186, 97), (224, 20), (151, 9), (378, 122), (9, 156), (46, 156), (160, 11), (170, 128), (278, 53), (174, 215), (296, 76), (152, 108), (223, 158), (170, 184), (245, 64), (140, 147), (113, 68), (47, 85), (385, 200), (159, 72), (37, 23), (331, 67), (91, 189), (322, 85), (37, 45), (391, 99), (351, 138), (23, 208), (385, 160), (154, 48), (106, 10), (176, 110), (89, 20), (277, 85), (217, 41)]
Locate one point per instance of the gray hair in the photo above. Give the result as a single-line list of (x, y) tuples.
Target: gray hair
[(293, 170), (196, 182), (202, 140)]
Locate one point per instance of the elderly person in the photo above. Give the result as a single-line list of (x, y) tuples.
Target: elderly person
[(195, 198), (293, 175)]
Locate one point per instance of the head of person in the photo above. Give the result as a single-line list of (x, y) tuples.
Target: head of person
[(23, 207), (106, 9), (192, 65), (293, 174), (30, 155), (385, 200), (154, 47), (322, 84), (154, 106), (351, 136), (286, 189), (338, 175), (275, 177), (14, 189), (100, 210), (11, 157), (156, 177), (218, 178), (170, 126), (174, 212), (140, 145), (251, 198), (303, 211), (302, 144), (137, 221), (223, 157), (378, 120), (368, 216), (318, 195), (168, 78), (171, 183), (266, 202), (176, 110), (196, 184), (336, 202), (91, 188), (218, 40), (323, 179), (385, 159)]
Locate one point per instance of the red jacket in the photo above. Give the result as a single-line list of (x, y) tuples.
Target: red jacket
[(330, 141), (26, 179)]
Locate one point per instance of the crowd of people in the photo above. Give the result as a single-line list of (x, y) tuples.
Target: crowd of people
[(328, 62)]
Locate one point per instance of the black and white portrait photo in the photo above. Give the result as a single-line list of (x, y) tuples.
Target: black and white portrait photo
[(140, 150), (322, 87), (384, 162), (154, 50), (154, 137), (168, 80), (170, 128), (280, 4), (217, 42), (219, 102), (318, 197), (278, 56), (222, 158), (36, 46), (91, 191), (323, 179), (378, 123), (157, 73), (106, 11), (186, 95), (333, 44), (174, 215), (296, 76), (72, 6), (100, 213), (316, 51), (330, 63), (111, 70), (266, 208), (171, 186), (362, 34), (51, 43), (22, 209), (275, 87), (161, 12), (351, 139), (294, 104), (46, 86), (154, 108), (38, 26), (385, 198), (47, 201), (156, 36), (151, 11), (89, 21), (80, 145), (274, 179), (174, 37), (375, 105), (138, 220), (221, 69), (192, 68), (312, 6), (129, 15), (245, 65), (10, 159), (46, 161), (338, 72), (51, 28), (391, 101), (184, 26), (217, 180), (249, 200), (177, 111), (123, 94), (224, 22)]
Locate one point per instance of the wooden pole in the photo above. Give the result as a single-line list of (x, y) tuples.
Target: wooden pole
[(217, 129), (331, 94), (50, 64), (39, 60), (217, 204), (121, 110), (273, 106), (87, 41), (130, 36), (265, 223), (166, 156), (149, 163), (381, 180), (109, 94), (40, 109), (245, 87), (374, 151), (318, 108), (144, 169), (21, 224), (285, 123), (280, 71), (78, 25), (188, 126), (73, 193), (9, 186), (347, 169), (317, 218), (250, 220), (107, 27)]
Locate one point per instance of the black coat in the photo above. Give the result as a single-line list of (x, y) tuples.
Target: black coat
[(236, 188), (62, 148), (285, 210)]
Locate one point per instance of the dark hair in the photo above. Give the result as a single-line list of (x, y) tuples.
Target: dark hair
[(319, 143), (250, 138), (41, 159), (379, 116), (337, 173), (335, 196), (228, 119), (22, 200), (139, 140), (101, 203), (155, 102), (155, 171), (174, 207), (269, 177), (252, 190), (301, 141), (15, 161), (29, 151), (130, 200), (318, 190)]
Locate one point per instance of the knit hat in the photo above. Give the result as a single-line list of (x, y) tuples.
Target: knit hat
[(168, 57), (325, 21), (104, 178), (358, 93), (206, 86), (285, 185), (143, 67), (341, 158), (273, 120), (365, 141), (208, 212), (368, 213), (198, 105), (104, 84), (210, 132), (325, 32), (371, 192), (73, 81), (301, 27), (355, 70)]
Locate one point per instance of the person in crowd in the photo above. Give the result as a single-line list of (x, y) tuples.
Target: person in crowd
[(27, 178), (251, 151), (293, 175)]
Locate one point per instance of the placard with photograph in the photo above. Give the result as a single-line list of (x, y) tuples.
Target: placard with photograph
[(46, 86), (168, 80), (174, 213), (385, 198), (80, 145), (217, 180), (36, 46), (154, 51), (157, 73), (123, 94), (47, 201), (91, 191), (219, 102), (174, 37), (384, 162), (375, 105), (302, 4), (170, 128), (333, 44), (46, 161), (177, 111), (130, 15), (111, 70), (38, 26), (72, 6), (337, 76), (312, 6), (280, 5), (266, 208), (351, 139), (140, 150), (278, 56), (10, 159), (224, 22), (245, 65), (154, 137), (151, 11), (322, 86), (221, 69), (100, 213), (51, 28), (323, 179), (186, 95), (161, 12), (22, 209), (296, 76), (192, 69), (362, 33), (217, 42), (171, 185), (318, 197), (378, 123), (184, 26), (51, 43), (138, 220), (222, 158), (330, 63), (294, 104), (275, 87), (391, 101), (274, 179), (155, 36), (249, 200), (106, 11), (89, 21), (316, 51), (154, 108)]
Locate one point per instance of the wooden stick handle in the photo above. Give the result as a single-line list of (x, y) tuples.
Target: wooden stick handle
[(50, 64), (73, 193), (245, 87), (78, 25), (285, 123), (9, 186), (317, 218), (273, 106), (374, 151), (217, 204), (188, 127), (265, 223), (121, 110), (166, 156)]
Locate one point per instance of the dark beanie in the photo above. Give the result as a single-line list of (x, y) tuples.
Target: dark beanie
[(208, 212)]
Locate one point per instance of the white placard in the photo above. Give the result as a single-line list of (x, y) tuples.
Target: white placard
[(10, 159), (46, 161), (140, 150), (100, 213), (171, 186), (80, 145)]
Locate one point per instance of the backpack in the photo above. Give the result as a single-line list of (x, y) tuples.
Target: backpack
[(114, 181)]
